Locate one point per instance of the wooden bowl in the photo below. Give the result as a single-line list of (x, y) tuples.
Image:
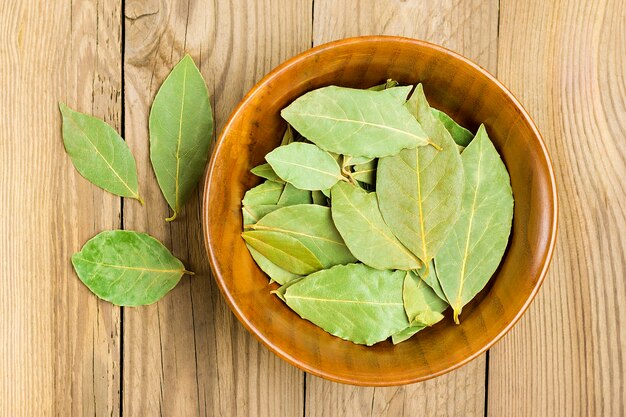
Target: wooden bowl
[(453, 84)]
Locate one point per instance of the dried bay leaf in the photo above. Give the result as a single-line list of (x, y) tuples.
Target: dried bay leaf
[(365, 172), (354, 302), (127, 268), (283, 250), (461, 136), (275, 272), (355, 122), (475, 246), (305, 166), (292, 195), (358, 219), (313, 226), (419, 190), (280, 291), (355, 160), (266, 171), (99, 153), (268, 192), (181, 127), (252, 214), (429, 275)]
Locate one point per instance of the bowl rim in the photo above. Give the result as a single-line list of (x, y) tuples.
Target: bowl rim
[(285, 66)]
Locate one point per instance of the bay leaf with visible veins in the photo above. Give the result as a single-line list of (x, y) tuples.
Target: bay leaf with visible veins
[(252, 214), (127, 268), (475, 246), (354, 302), (419, 190), (268, 192), (355, 122), (275, 272), (99, 153), (181, 127), (305, 166), (283, 250), (358, 220), (429, 275), (313, 226)]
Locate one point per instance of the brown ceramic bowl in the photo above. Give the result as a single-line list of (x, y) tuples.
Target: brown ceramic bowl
[(471, 96)]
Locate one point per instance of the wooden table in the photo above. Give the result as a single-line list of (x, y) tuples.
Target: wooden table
[(65, 353)]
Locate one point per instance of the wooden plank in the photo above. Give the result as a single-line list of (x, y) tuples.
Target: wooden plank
[(59, 354), (188, 355), (470, 28), (565, 61)]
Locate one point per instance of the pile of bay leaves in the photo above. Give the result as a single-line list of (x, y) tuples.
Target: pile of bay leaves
[(377, 212)]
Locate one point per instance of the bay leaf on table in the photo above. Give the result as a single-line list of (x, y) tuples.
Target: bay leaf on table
[(355, 122), (360, 224), (305, 166), (268, 192), (354, 302), (292, 195), (313, 226), (474, 248), (461, 136), (275, 272), (422, 306), (283, 250), (419, 190), (127, 268), (181, 127), (365, 172), (266, 171), (99, 153)]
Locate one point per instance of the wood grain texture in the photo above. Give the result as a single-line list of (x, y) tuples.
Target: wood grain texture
[(187, 355), (469, 28), (566, 61), (59, 345)]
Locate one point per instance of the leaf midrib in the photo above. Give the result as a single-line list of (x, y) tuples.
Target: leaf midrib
[(179, 139), (333, 300), (132, 268)]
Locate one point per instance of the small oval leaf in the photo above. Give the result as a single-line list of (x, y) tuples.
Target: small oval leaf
[(181, 127), (355, 122), (366, 316), (127, 268), (305, 166), (99, 153)]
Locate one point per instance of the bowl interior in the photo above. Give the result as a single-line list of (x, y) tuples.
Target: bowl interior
[(452, 84)]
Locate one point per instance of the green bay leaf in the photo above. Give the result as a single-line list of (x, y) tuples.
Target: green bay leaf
[(99, 153), (292, 195), (355, 122), (319, 198), (305, 166), (275, 272), (283, 250), (461, 136), (181, 127), (358, 219), (266, 171), (475, 246), (428, 273), (313, 226), (268, 192), (419, 190), (252, 214), (127, 268), (365, 172), (354, 302)]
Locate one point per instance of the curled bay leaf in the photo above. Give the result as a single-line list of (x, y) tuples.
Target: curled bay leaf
[(181, 126), (283, 250), (478, 240), (305, 166), (358, 219), (354, 302), (127, 268), (461, 136), (313, 226), (355, 122), (266, 171), (419, 190), (99, 153)]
